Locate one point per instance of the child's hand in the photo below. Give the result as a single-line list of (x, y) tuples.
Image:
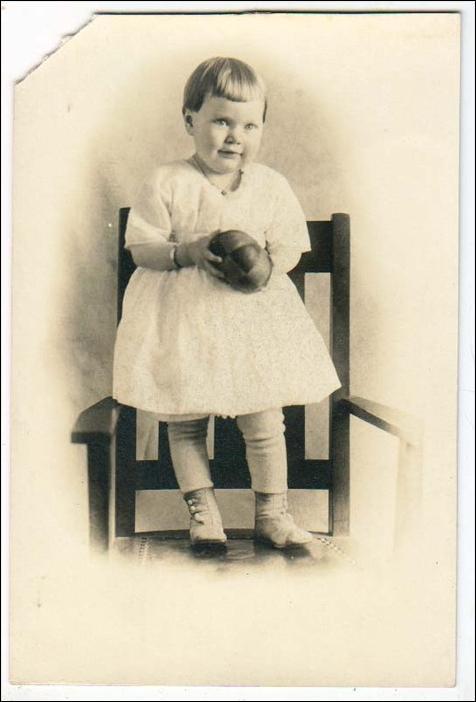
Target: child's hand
[(197, 253)]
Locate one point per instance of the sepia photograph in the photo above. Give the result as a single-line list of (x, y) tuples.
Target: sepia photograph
[(234, 352)]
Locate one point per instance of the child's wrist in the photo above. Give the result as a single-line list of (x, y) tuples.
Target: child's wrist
[(182, 255)]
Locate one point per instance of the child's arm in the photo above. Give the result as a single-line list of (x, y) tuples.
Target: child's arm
[(157, 256), (167, 256)]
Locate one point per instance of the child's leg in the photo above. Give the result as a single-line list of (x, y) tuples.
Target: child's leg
[(188, 449), (263, 433)]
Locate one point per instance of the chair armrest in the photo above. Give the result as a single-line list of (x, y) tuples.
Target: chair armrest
[(97, 423), (393, 421)]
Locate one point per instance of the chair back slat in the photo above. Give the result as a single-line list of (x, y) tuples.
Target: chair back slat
[(341, 300)]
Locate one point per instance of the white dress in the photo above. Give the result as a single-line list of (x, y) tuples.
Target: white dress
[(188, 344)]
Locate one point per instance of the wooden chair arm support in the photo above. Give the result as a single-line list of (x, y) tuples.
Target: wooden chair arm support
[(409, 472), (406, 427), (97, 423)]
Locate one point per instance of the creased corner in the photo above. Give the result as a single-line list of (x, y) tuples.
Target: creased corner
[(64, 39)]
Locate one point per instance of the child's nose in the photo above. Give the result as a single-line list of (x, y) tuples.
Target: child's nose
[(233, 136)]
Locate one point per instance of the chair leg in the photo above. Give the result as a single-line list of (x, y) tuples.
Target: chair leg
[(340, 495), (99, 480)]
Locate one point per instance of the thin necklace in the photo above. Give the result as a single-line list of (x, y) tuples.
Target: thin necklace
[(202, 171)]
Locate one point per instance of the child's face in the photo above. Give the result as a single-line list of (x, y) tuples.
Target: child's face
[(227, 134)]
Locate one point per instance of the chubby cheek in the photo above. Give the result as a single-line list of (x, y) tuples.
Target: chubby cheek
[(206, 141), (215, 139), (252, 147)]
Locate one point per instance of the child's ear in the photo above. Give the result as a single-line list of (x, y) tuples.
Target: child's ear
[(188, 119)]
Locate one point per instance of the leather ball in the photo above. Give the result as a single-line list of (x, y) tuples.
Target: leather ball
[(245, 264)]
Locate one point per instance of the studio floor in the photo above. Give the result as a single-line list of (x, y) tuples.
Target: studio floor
[(324, 553)]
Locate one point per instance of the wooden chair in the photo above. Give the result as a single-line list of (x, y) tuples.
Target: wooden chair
[(110, 430)]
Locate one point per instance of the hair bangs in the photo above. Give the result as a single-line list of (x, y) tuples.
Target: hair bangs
[(237, 82), (228, 78)]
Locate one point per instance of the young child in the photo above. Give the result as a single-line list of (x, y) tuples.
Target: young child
[(189, 345)]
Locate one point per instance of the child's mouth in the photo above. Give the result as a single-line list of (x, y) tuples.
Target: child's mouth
[(229, 154)]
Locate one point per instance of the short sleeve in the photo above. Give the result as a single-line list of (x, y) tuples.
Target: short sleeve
[(288, 227), (149, 218)]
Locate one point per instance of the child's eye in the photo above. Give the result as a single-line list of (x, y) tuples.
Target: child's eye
[(222, 122), (251, 126)]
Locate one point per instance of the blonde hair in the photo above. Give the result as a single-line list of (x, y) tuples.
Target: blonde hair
[(223, 77)]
